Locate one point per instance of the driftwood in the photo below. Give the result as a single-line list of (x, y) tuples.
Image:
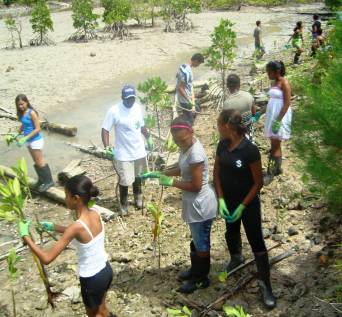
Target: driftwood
[(49, 126), (242, 282), (59, 128), (91, 149), (70, 170), (58, 195)]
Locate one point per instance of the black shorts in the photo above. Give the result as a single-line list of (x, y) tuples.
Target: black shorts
[(93, 288)]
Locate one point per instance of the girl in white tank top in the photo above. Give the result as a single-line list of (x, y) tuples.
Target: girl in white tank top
[(87, 235)]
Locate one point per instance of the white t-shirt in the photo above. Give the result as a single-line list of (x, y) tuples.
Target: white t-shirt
[(127, 122)]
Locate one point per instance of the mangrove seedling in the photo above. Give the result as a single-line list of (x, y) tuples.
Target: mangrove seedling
[(220, 54), (235, 311), (12, 261), (184, 312), (158, 217), (14, 26), (13, 195)]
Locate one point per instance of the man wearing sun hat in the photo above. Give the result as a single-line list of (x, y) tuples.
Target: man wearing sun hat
[(129, 151)]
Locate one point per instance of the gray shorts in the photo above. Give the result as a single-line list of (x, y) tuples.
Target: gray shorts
[(129, 170)]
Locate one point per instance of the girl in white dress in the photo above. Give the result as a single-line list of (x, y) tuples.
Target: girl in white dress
[(278, 117)]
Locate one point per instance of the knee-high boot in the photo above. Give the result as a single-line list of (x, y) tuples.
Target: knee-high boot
[(264, 282), (137, 193), (234, 245), (123, 200), (186, 275)]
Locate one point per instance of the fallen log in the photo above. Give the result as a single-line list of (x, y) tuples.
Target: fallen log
[(72, 169), (58, 195), (49, 126), (242, 282), (59, 128)]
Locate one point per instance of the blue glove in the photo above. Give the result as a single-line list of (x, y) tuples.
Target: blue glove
[(256, 117)]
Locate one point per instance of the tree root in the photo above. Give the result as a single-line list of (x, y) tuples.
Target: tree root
[(39, 41), (83, 36)]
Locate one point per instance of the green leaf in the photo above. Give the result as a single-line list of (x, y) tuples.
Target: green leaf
[(186, 310), (12, 261), (4, 190), (16, 187), (91, 203), (223, 276), (173, 312)]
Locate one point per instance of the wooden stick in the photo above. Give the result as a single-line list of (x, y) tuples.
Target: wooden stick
[(245, 280), (241, 266)]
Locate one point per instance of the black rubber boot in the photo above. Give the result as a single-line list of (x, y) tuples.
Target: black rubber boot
[(200, 267), (271, 169), (296, 59), (39, 174), (234, 245), (137, 193), (277, 169), (123, 200), (46, 179), (186, 275), (264, 282)]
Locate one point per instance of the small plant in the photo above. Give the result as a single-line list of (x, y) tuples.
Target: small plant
[(12, 261), (158, 217), (220, 55), (157, 99), (235, 311), (116, 13), (14, 26), (84, 20), (13, 195), (223, 276), (175, 13), (184, 312), (41, 23)]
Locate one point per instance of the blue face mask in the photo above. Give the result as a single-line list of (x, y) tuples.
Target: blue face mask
[(129, 102)]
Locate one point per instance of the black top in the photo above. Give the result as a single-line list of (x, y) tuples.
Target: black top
[(316, 26), (235, 174)]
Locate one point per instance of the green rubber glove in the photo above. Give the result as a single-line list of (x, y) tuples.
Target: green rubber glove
[(165, 180), (223, 210), (22, 141), (256, 117), (150, 143), (237, 213), (276, 126), (45, 225), (109, 153), (149, 175), (24, 228)]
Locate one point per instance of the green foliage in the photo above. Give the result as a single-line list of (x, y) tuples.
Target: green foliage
[(158, 217), (170, 145), (41, 19), (13, 193), (220, 54), (155, 93), (116, 11), (14, 26), (184, 312), (318, 122), (12, 260), (223, 276), (235, 311), (83, 17), (143, 10), (333, 4)]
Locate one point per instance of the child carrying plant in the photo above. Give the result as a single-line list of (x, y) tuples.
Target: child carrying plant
[(29, 134), (199, 204), (87, 234)]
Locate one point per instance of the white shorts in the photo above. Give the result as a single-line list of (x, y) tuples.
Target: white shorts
[(129, 170), (36, 145)]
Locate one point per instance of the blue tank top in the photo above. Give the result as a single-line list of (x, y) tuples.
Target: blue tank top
[(28, 126)]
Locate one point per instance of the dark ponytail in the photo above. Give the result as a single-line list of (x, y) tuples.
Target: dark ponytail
[(277, 66), (233, 118), (82, 186)]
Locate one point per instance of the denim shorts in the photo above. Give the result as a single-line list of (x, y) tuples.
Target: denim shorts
[(200, 232)]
